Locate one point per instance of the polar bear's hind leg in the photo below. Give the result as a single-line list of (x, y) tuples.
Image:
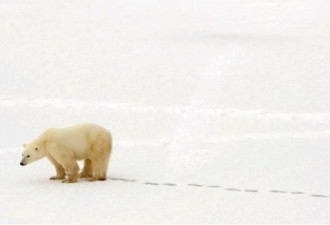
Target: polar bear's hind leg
[(100, 156), (100, 167)]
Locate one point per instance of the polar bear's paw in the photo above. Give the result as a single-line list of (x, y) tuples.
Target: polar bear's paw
[(68, 181), (91, 179), (85, 175), (56, 178)]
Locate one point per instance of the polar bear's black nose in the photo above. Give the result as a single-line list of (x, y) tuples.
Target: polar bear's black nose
[(22, 164)]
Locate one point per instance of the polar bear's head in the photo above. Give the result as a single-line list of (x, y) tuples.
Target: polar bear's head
[(31, 153)]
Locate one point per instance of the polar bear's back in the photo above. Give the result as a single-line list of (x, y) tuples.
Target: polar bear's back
[(80, 138)]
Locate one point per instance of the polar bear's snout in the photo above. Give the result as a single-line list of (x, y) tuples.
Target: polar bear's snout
[(24, 159), (23, 163)]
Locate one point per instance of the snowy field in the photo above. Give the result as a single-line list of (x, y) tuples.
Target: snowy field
[(219, 109)]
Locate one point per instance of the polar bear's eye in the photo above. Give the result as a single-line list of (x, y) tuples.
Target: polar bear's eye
[(28, 156)]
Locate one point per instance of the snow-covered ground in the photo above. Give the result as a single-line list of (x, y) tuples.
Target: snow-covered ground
[(220, 109)]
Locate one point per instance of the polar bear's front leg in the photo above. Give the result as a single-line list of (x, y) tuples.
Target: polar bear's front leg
[(60, 172), (71, 167), (87, 170)]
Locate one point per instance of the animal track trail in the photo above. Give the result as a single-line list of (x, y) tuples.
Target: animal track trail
[(219, 187)]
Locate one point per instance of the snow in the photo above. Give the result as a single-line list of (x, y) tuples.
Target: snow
[(220, 110)]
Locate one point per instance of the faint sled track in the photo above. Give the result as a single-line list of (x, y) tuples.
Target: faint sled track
[(182, 110)]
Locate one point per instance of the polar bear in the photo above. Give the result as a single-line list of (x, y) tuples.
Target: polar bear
[(64, 146)]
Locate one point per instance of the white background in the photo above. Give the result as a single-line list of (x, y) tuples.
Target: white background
[(227, 100)]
